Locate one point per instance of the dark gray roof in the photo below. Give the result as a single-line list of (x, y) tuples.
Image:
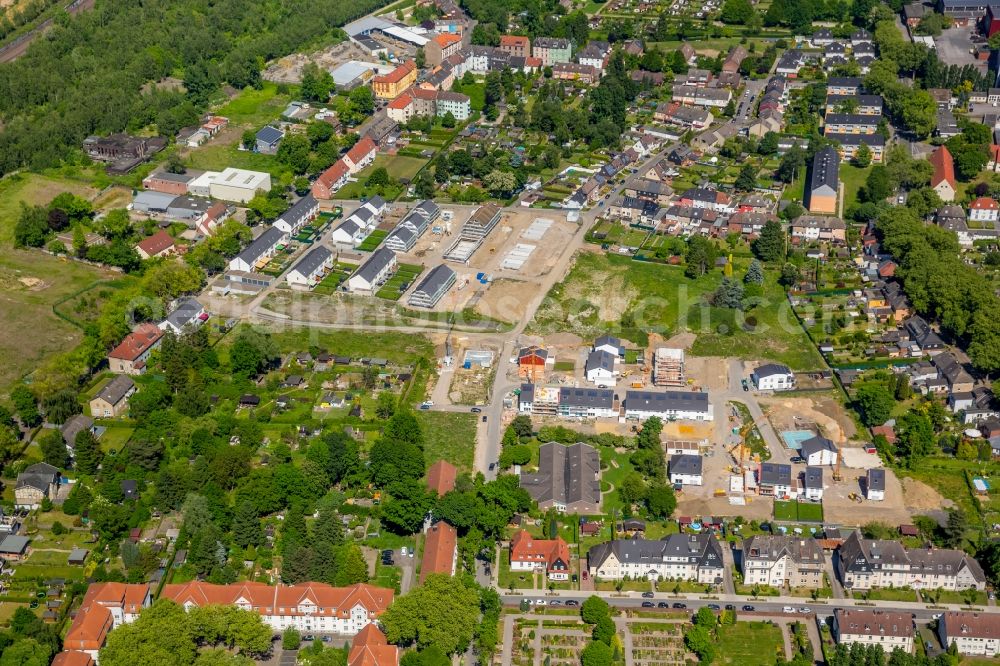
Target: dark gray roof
[(186, 309), (376, 201), (363, 214), (856, 139), (609, 340), (685, 464), (349, 227), (313, 260), (773, 547), (380, 258), (116, 389), (551, 43), (667, 401), (428, 209), (527, 394), (73, 426), (438, 276), (38, 476), (825, 170), (566, 475), (702, 550), (843, 82), (14, 545), (815, 445), (876, 479), (600, 359), (269, 134), (813, 477), (264, 242), (775, 474), (172, 177), (771, 369), (299, 208), (851, 119), (586, 397)]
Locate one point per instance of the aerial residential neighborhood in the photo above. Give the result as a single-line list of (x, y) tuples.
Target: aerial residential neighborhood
[(509, 333)]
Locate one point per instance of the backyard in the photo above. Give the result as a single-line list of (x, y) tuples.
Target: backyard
[(448, 436), (798, 512)]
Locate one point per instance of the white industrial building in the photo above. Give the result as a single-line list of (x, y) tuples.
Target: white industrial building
[(237, 185)]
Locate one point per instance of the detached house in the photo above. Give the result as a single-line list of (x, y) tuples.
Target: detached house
[(550, 556), (131, 355), (112, 400), (685, 470), (36, 483), (943, 179), (984, 209), (160, 244), (773, 377), (440, 550), (819, 450), (780, 561)]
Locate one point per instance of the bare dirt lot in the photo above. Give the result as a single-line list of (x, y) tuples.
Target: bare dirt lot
[(289, 68), (920, 497), (800, 413)]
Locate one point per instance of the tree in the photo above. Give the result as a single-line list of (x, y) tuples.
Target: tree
[(404, 510), (746, 180), (728, 295), (770, 245), (386, 405), (596, 654), (791, 162), (768, 145), (53, 449), (875, 403), (699, 640), (755, 273), (789, 275), (115, 224), (251, 351), (88, 453), (26, 405), (914, 437), (442, 612), (501, 184), (351, 566), (316, 83), (594, 609), (290, 639), (425, 187), (522, 425), (448, 120), (863, 156), (420, 59), (700, 256), (246, 529), (32, 227), (379, 177), (661, 501)]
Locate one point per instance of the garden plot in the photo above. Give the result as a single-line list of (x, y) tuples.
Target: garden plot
[(657, 644), (563, 645)]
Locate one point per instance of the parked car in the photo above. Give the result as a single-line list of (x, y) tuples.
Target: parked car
[(805, 609), (788, 609), (648, 604), (572, 602), (663, 604), (678, 604), (714, 607), (555, 602), (476, 410), (647, 595), (730, 607), (539, 602), (748, 608)]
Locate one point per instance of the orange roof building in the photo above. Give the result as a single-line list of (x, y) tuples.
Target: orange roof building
[(361, 154), (130, 356), (549, 555), (370, 648), (395, 82), (104, 607), (516, 45), (331, 180), (943, 180), (158, 245), (73, 658), (306, 606), (440, 550), (441, 477)]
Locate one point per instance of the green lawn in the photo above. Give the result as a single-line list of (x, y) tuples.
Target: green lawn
[(749, 644), (798, 512), (217, 155), (374, 239), (116, 437), (397, 347), (449, 436), (399, 282), (601, 288), (255, 107), (853, 178), (888, 594)]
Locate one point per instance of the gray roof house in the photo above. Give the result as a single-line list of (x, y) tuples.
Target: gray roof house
[(75, 425), (185, 313), (433, 287), (268, 139), (568, 478), (686, 556)]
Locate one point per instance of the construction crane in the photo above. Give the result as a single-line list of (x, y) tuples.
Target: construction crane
[(742, 444)]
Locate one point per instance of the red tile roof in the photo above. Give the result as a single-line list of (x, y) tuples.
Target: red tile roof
[(401, 102), (525, 548), (370, 648), (944, 167), (984, 203), (398, 74), (93, 621), (441, 477), (159, 242), (137, 342), (361, 149), (514, 40), (73, 658), (336, 171), (446, 40), (330, 601), (532, 61), (425, 93), (439, 550)]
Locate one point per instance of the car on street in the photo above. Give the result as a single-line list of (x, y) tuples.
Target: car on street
[(555, 602), (326, 639), (678, 604), (308, 638), (484, 418), (788, 609), (798, 460), (648, 604), (748, 608), (805, 609), (572, 602), (387, 553), (730, 607), (402, 551), (647, 595), (539, 602), (493, 466), (476, 410), (663, 604), (714, 607)]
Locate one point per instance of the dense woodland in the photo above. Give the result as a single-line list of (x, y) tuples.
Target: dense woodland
[(87, 75)]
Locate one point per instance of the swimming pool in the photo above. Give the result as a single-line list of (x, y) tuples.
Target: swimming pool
[(794, 438)]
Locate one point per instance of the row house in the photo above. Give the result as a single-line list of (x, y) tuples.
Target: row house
[(819, 228), (650, 190), (972, 633), (705, 197), (636, 211), (714, 97), (843, 85), (391, 85), (891, 630), (551, 50), (850, 123), (516, 45), (572, 71), (694, 557), (848, 145), (439, 47), (866, 105), (782, 561), (865, 564), (676, 113), (749, 224)]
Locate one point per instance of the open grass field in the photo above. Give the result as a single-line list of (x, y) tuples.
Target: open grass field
[(218, 154), (749, 644), (397, 347), (601, 290), (798, 512), (255, 107), (448, 436), (853, 178)]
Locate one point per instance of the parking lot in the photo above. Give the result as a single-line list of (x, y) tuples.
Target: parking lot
[(954, 48)]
